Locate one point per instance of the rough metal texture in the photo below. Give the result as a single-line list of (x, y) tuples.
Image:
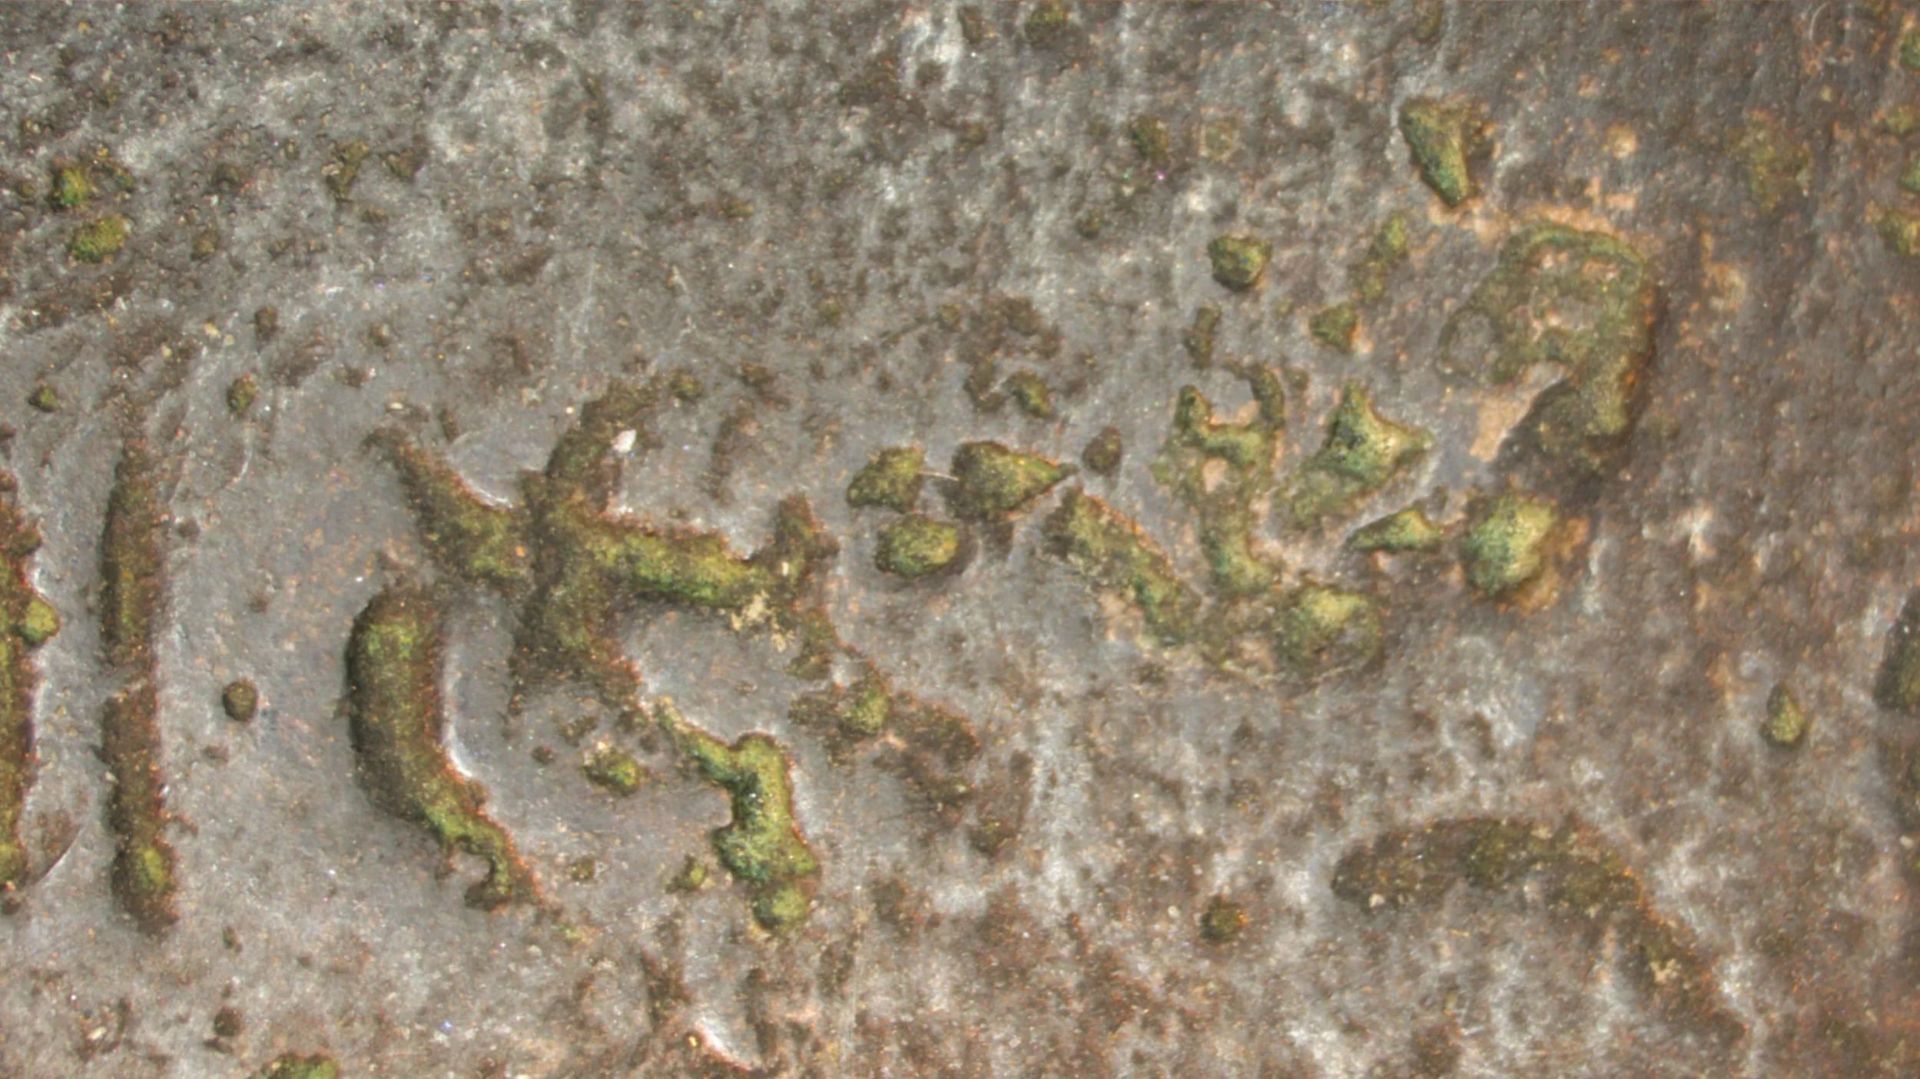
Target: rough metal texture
[(856, 227)]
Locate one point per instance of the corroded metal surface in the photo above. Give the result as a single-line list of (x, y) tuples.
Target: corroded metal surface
[(1022, 539)]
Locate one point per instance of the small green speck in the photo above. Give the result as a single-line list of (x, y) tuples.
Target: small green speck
[(1238, 260), (45, 398), (1910, 50), (890, 479), (691, 878), (241, 393), (1786, 725), (1223, 921), (71, 188), (1505, 543), (915, 546), (1387, 249), (614, 770), (1910, 178), (1408, 530), (39, 623), (99, 240), (240, 700), (781, 907), (855, 712), (1031, 393), (1334, 326)]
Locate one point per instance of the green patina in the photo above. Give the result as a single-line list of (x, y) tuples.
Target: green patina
[(762, 845), (1363, 451), (397, 724), (241, 393), (99, 239), (26, 621), (916, 546), (1319, 630), (890, 479), (1335, 325), (1224, 501), (1224, 921), (1444, 136), (692, 877), (479, 540), (1582, 301), (1408, 530), (38, 623), (1238, 260), (613, 770), (1898, 121), (133, 567), (575, 566), (1222, 469), (1900, 228), (990, 480), (73, 184), (1777, 165), (142, 875), (934, 749), (240, 700), (71, 187), (1111, 551), (1786, 723), (1505, 543), (1030, 394), (851, 713), (1367, 277)]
